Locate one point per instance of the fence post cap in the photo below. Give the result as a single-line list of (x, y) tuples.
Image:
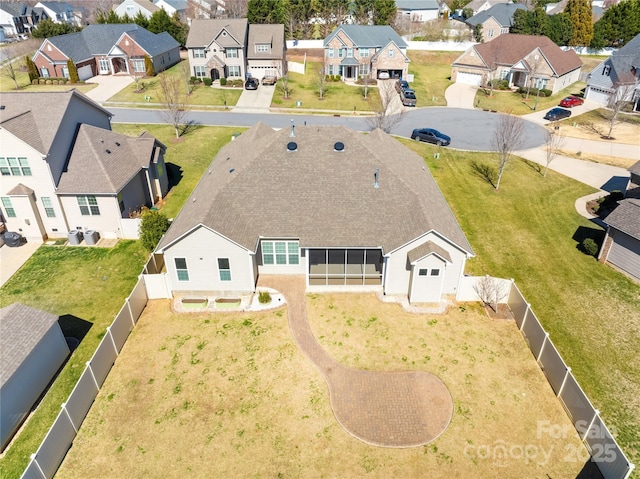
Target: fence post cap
[(546, 334), (569, 368), (63, 405), (88, 363), (597, 411), (33, 456)]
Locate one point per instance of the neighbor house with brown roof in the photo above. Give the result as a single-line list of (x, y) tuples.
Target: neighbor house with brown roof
[(64, 169), (522, 60), (348, 211)]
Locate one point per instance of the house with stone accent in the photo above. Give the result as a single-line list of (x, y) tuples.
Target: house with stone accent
[(495, 21), (522, 60), (106, 49), (63, 168), (353, 51), (346, 210)]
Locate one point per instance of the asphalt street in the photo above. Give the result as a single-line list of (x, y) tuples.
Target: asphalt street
[(468, 129)]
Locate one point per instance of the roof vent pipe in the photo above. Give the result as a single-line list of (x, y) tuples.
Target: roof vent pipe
[(292, 134), (376, 177)]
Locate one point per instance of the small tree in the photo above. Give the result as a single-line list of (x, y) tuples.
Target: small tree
[(73, 71), (135, 74), (321, 82), (384, 116), (555, 141), (186, 76), (507, 138), (154, 224), (10, 69), (172, 99), (491, 291), (618, 99), (284, 86)]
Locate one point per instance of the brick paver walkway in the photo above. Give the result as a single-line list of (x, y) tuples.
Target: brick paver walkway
[(391, 409)]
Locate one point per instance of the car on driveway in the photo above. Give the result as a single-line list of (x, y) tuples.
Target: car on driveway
[(408, 97), (571, 101), (556, 114), (401, 85), (252, 84), (269, 80), (431, 136)]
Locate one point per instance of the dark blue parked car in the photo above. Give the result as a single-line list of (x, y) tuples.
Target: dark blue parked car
[(431, 136), (556, 114)]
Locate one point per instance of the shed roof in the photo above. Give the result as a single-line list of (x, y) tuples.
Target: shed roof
[(626, 217), (256, 187), (21, 329)]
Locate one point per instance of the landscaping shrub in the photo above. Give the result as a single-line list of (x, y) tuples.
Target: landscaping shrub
[(207, 81), (32, 69), (264, 297), (590, 247), (154, 224), (73, 71), (223, 81), (500, 84), (148, 66), (545, 92)]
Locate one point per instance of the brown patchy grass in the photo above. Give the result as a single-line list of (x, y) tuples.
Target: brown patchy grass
[(592, 125), (231, 395)]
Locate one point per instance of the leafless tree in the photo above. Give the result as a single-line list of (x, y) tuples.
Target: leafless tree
[(283, 84), (535, 67), (507, 138), (491, 291), (236, 8), (366, 81), (384, 116), (321, 82), (185, 73), (135, 74), (12, 56), (173, 100), (554, 142), (618, 99)]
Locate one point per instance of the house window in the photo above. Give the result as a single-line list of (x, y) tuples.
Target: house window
[(349, 52), (280, 252), (14, 167), (504, 74), (330, 70), (340, 52), (48, 207), (391, 53), (199, 71), (234, 70), (104, 65), (330, 52), (65, 72), (607, 70), (181, 269), (435, 272), (88, 205), (490, 32), (540, 83), (363, 69), (363, 52), (198, 53), (231, 53), (262, 48), (224, 269), (8, 207), (138, 66), (44, 72), (422, 272)]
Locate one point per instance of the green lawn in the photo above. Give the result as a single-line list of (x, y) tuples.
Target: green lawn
[(7, 85), (87, 287), (432, 75), (530, 231)]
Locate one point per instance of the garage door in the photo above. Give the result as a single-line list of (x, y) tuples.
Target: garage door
[(470, 78), (597, 95), (625, 253), (85, 72)]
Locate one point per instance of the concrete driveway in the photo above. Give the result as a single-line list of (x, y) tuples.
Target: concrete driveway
[(108, 86), (255, 101), (461, 95), (537, 116), (12, 259)]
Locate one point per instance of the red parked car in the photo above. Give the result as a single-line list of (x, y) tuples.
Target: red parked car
[(571, 101)]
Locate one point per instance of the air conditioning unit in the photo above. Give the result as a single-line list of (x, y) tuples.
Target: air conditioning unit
[(74, 237), (91, 237)]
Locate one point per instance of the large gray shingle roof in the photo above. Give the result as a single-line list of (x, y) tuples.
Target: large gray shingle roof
[(103, 162), (35, 117), (203, 32), (272, 34), (21, 329), (256, 188), (626, 217), (369, 35), (502, 12), (621, 64)]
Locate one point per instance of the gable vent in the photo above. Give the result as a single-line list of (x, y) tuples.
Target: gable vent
[(292, 146), (338, 146)]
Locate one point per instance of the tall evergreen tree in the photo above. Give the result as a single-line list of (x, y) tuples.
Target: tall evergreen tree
[(559, 29), (47, 29), (141, 20), (267, 11), (384, 12), (580, 14), (619, 24)]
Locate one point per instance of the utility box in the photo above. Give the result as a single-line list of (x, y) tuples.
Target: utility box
[(91, 237), (74, 237)]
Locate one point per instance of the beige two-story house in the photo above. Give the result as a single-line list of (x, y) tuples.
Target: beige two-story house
[(377, 51)]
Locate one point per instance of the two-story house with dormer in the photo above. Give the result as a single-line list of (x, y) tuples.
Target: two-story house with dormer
[(64, 169), (353, 51)]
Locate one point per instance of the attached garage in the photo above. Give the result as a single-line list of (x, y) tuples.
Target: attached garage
[(622, 245), (33, 349), (469, 78), (85, 72), (598, 95)]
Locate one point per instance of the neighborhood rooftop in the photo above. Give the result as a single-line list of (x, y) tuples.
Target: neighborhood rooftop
[(502, 13), (369, 35), (318, 186)]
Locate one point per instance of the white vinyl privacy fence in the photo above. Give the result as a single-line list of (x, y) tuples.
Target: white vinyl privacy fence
[(45, 462)]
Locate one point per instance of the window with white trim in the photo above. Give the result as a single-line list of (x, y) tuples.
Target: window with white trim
[(231, 53), (88, 205), (181, 269), (391, 53), (490, 32), (200, 71), (280, 252), (340, 52), (435, 272), (330, 52), (262, 48), (198, 53), (8, 207), (48, 207), (44, 72), (104, 65), (423, 272), (65, 72), (349, 52), (363, 52), (224, 269), (138, 65), (14, 167), (234, 70), (363, 69)]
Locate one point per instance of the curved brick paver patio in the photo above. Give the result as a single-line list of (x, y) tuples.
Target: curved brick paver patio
[(391, 409)]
